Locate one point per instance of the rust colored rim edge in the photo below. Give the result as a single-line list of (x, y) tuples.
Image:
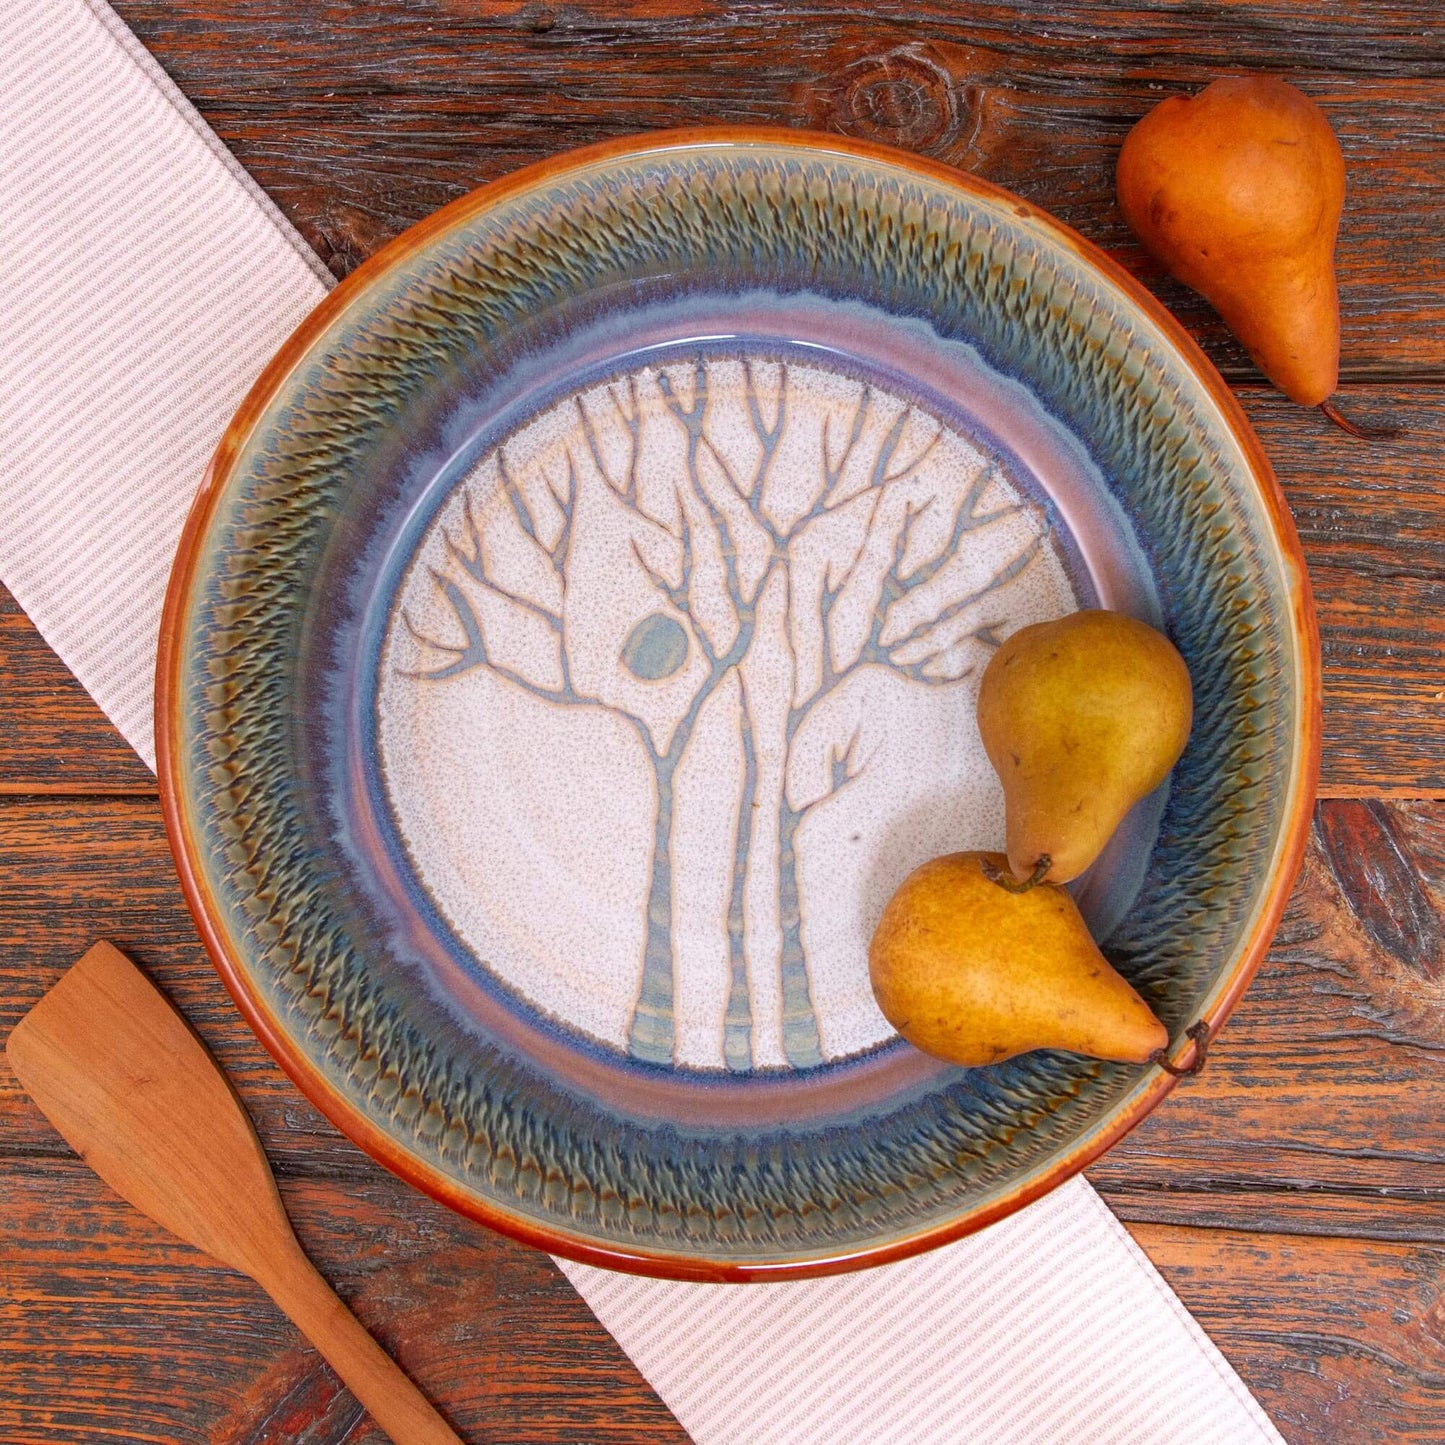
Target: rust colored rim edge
[(1289, 847)]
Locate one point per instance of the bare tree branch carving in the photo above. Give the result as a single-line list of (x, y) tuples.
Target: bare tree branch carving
[(876, 572)]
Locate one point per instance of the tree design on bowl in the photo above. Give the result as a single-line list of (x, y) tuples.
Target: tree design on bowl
[(780, 585), (578, 640)]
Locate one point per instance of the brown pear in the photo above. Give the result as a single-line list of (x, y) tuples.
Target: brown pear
[(973, 973), (1081, 717), (1238, 192)]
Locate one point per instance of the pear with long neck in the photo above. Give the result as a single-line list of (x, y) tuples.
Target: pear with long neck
[(1238, 192), (973, 972), (1081, 717)]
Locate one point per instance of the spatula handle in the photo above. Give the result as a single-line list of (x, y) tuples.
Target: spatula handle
[(365, 1368)]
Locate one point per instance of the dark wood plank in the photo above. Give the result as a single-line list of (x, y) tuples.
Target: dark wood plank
[(1340, 1340), (1318, 1117), (1319, 1110), (112, 1330), (53, 738), (1371, 517), (362, 119), (72, 871)]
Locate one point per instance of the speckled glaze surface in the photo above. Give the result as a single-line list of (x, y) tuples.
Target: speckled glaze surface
[(576, 641)]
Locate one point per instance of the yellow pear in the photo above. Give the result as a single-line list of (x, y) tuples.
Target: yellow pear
[(973, 972), (1081, 717)]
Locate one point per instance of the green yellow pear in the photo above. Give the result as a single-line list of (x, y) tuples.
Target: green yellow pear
[(973, 972), (1081, 717)]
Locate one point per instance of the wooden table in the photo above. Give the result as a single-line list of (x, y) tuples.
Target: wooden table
[(1294, 1194)]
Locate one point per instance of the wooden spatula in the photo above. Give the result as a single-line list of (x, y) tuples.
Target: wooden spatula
[(135, 1093)]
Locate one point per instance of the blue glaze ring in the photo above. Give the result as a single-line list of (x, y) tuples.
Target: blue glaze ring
[(577, 639)]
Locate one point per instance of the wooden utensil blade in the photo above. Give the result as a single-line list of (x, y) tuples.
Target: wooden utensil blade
[(137, 1095)]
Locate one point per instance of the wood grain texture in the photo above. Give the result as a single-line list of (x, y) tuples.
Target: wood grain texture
[(53, 738), (1371, 518), (1317, 1112), (1317, 1117), (361, 119), (125, 1082), (1320, 1104), (1340, 1339), (112, 1330), (1294, 1194), (75, 870)]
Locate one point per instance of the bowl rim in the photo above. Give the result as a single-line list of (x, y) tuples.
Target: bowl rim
[(362, 1130)]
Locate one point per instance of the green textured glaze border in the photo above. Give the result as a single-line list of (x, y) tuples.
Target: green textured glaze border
[(489, 1135)]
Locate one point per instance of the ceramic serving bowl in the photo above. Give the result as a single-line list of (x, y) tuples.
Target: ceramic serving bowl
[(577, 638)]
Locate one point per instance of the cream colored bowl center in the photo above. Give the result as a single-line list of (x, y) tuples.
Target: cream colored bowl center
[(680, 684)]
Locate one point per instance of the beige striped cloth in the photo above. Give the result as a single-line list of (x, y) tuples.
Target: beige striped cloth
[(144, 281)]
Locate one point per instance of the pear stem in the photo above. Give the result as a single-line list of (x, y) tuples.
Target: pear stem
[(1199, 1033), (1012, 885), (1354, 429)]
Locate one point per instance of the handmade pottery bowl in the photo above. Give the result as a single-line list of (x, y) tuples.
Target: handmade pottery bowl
[(576, 640)]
